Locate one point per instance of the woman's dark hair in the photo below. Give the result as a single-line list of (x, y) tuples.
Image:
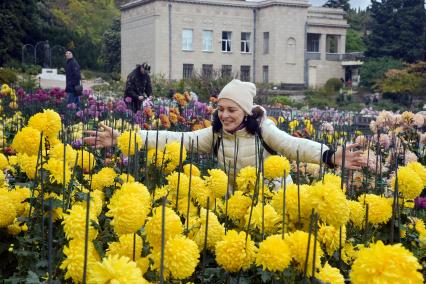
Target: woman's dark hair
[(251, 123)]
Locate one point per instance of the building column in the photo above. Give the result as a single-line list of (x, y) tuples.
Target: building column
[(322, 46), (342, 44)]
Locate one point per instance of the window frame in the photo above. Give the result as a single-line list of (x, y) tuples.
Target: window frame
[(186, 45)]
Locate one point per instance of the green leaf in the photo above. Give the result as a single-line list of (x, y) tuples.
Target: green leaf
[(32, 278)]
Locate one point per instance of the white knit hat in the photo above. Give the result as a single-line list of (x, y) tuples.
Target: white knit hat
[(241, 93)]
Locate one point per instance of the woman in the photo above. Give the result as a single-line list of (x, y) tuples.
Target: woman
[(238, 122)]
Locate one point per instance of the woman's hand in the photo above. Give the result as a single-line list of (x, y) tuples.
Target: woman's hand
[(104, 137), (354, 160)]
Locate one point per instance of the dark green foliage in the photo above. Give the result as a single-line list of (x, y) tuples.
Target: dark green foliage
[(111, 48), (7, 76), (398, 30), (374, 69), (333, 84), (354, 41), (78, 25), (344, 4)]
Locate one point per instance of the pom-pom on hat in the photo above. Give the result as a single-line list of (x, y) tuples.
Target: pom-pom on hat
[(242, 93)]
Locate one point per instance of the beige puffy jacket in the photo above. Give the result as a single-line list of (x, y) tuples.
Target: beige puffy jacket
[(276, 139)]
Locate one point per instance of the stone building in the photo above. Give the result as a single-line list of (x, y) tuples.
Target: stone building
[(285, 42)]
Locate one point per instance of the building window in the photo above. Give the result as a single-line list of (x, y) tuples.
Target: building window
[(332, 43), (245, 42), (265, 42), (265, 74), (313, 42), (245, 73), (226, 71), (207, 70), (207, 40), (291, 50), (188, 70), (186, 39), (226, 41)]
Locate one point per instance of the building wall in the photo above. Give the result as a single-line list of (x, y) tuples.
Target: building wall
[(138, 28), (218, 19), (145, 37)]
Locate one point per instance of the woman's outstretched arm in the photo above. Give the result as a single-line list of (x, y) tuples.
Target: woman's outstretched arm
[(309, 151), (107, 137)]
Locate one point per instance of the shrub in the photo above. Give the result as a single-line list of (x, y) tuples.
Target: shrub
[(333, 84), (7, 76), (373, 70)]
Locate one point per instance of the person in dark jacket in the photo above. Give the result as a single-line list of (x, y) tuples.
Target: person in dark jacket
[(138, 83), (73, 78)]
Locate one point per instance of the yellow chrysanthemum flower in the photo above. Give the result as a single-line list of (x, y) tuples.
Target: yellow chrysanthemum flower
[(156, 160), (124, 246), (129, 207), (233, 253), (126, 139), (298, 243), (5, 89), (86, 161), (356, 213), (291, 209), (379, 209), (104, 178), (180, 257), (275, 166), (419, 169), (177, 178), (172, 224), (7, 209), (16, 227), (18, 196), (329, 274), (419, 225), (217, 182), (143, 264), (237, 206), (27, 141), (13, 160), (193, 169), (330, 202), (27, 164), (4, 163), (274, 254), (200, 192), (409, 183), (57, 152), (57, 171), (215, 231), (385, 264), (270, 220), (349, 253), (246, 179), (74, 259), (49, 122), (329, 236), (172, 155), (115, 269), (126, 177), (75, 223)]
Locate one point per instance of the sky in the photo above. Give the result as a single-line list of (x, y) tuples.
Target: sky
[(354, 3)]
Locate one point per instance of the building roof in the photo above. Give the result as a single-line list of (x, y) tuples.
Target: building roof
[(229, 3)]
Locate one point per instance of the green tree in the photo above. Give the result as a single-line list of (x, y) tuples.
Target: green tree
[(17, 19), (354, 41), (398, 29), (111, 48), (374, 69), (344, 4)]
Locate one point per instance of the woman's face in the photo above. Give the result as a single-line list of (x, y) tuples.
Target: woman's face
[(230, 114)]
